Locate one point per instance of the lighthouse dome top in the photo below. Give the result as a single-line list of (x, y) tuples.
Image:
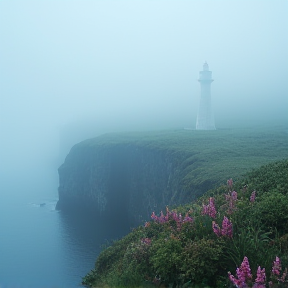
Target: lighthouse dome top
[(205, 66)]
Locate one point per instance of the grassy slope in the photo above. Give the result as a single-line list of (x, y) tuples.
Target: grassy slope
[(195, 255), (208, 155)]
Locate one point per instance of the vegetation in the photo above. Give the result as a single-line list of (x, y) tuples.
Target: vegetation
[(201, 244), (205, 158)]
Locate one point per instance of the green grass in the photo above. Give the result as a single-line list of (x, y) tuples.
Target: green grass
[(205, 158)]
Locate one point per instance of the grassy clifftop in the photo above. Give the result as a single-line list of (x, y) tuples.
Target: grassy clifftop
[(207, 156)]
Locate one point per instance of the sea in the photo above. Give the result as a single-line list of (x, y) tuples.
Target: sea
[(41, 247)]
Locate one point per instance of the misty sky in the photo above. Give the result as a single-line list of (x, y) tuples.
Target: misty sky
[(135, 64)]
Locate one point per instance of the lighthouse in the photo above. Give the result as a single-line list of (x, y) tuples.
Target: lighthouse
[(205, 118)]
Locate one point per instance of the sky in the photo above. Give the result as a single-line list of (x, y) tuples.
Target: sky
[(72, 69)]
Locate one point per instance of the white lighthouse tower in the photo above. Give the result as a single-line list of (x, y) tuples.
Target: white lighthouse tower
[(205, 118)]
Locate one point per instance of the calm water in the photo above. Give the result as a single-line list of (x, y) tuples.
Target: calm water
[(39, 246)]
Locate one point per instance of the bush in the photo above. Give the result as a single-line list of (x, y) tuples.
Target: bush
[(272, 210), (200, 260), (166, 259)]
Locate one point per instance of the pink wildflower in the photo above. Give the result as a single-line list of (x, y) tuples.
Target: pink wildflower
[(243, 274), (187, 218), (160, 219), (234, 195), (216, 228), (153, 216), (227, 227), (253, 196), (241, 278), (209, 209), (261, 278), (212, 210), (171, 216), (276, 267), (235, 281), (174, 216), (204, 209), (231, 198), (245, 268)]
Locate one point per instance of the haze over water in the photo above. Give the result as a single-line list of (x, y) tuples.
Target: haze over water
[(36, 245), (70, 70), (42, 247)]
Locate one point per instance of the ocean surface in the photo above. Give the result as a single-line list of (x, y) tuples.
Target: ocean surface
[(40, 246)]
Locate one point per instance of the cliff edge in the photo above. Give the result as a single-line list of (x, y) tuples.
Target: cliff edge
[(123, 177)]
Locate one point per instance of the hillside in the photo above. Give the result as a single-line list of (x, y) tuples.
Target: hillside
[(201, 243)]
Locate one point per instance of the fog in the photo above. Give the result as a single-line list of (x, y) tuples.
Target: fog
[(74, 69)]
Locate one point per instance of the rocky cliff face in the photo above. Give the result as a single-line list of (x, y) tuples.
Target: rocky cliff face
[(119, 181)]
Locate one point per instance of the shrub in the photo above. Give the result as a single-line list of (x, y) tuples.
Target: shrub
[(272, 210), (200, 261), (166, 259)]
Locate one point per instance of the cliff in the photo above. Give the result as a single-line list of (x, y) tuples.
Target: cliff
[(124, 177)]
